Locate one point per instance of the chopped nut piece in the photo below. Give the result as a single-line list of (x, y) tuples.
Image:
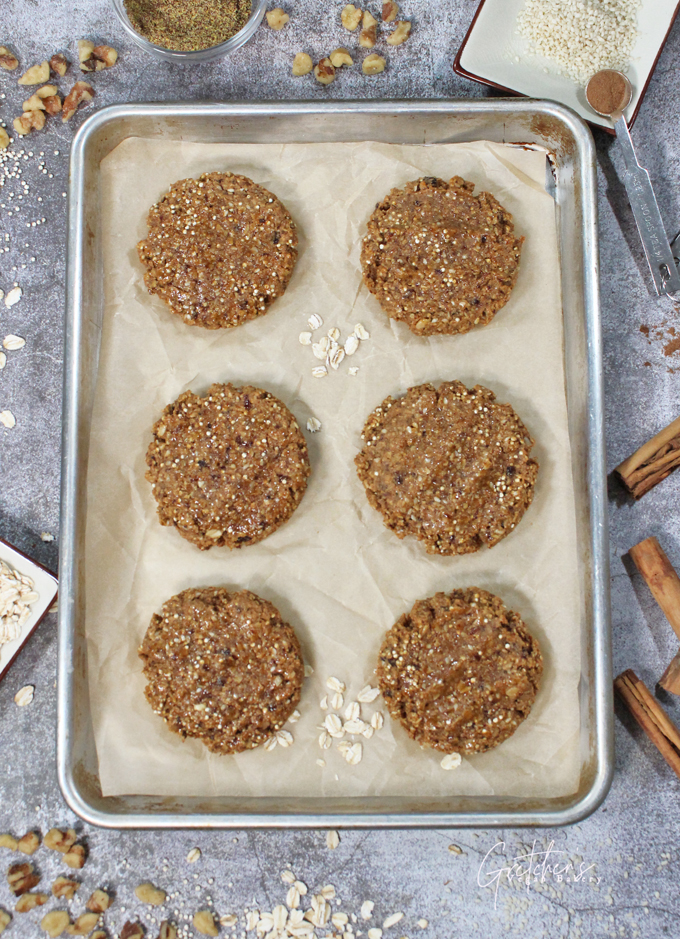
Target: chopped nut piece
[(36, 74), (55, 923), (4, 138), (47, 91), (351, 17), (99, 902), (302, 64), (7, 841), (83, 925), (390, 11), (53, 104), (204, 923), (324, 72), (81, 93), (105, 57), (341, 57), (5, 920), (132, 931), (7, 60), (99, 934), (60, 840), (59, 64), (75, 857), (373, 64), (167, 931), (147, 893), (400, 34), (29, 901), (367, 36), (29, 120), (21, 878), (85, 50), (30, 843), (65, 888), (277, 18), (34, 103)]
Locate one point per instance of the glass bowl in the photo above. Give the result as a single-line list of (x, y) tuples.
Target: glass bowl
[(199, 55)]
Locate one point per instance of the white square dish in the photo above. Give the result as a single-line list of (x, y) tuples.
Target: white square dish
[(45, 585), (495, 54)]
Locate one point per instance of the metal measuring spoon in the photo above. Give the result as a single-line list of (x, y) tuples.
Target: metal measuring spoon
[(640, 193)]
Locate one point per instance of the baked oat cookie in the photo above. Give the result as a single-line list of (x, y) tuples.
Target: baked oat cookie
[(439, 258), (460, 671), (220, 249), (222, 667), (229, 468), (448, 465)]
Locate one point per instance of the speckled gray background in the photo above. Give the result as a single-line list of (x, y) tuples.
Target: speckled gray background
[(632, 840)]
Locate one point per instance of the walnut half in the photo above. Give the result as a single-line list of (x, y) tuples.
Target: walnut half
[(81, 93)]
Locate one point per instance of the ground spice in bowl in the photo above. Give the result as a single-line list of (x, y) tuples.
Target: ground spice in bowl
[(188, 25), (608, 92)]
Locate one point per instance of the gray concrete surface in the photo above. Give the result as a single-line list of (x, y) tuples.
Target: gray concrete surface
[(630, 846)]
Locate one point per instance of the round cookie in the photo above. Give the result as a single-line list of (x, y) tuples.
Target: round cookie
[(449, 466), (460, 671), (439, 258), (222, 667), (229, 468), (220, 249)]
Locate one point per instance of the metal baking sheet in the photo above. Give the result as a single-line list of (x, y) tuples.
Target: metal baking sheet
[(572, 182)]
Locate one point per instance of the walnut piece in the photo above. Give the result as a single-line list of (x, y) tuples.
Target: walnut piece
[(341, 57), (4, 142), (81, 93), (83, 925), (34, 103), (324, 72), (59, 64), (7, 60), (63, 888), (302, 64), (390, 11), (99, 934), (36, 75), (277, 19), (204, 922), (29, 901), (5, 920), (373, 64), (147, 893), (55, 923), (75, 857), (9, 842), (21, 878), (400, 34), (132, 931), (106, 57), (367, 36), (99, 902), (47, 91), (85, 50), (30, 843), (53, 104), (167, 931), (351, 17), (60, 840)]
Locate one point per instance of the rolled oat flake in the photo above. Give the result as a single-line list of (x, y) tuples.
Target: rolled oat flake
[(188, 25)]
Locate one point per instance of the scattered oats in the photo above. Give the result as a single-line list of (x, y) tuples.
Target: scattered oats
[(319, 350), (320, 762), (337, 701), (193, 855), (328, 892), (367, 909), (294, 717), (354, 754), (377, 720), (356, 726), (333, 725), (293, 898), (252, 919), (288, 877), (343, 747), (374, 933), (305, 339), (455, 849), (8, 419), (368, 731), (323, 703), (325, 741), (284, 737), (352, 711), (335, 684), (334, 334), (3, 360), (308, 671), (280, 916), (13, 296), (423, 923), (339, 919), (392, 920), (451, 761), (46, 536), (361, 332), (229, 919), (368, 694), (320, 371), (351, 345), (332, 839), (336, 357), (313, 425), (24, 696), (270, 744), (12, 343), (353, 370), (315, 321), (301, 888)]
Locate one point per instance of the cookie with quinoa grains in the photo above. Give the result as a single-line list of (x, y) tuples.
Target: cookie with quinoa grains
[(220, 249), (439, 258), (228, 468), (460, 672), (222, 667), (449, 465)]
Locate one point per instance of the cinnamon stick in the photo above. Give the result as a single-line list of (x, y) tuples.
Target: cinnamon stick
[(652, 462), (670, 680), (651, 717), (660, 577)]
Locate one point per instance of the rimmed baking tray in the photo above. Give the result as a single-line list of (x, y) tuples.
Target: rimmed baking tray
[(572, 182)]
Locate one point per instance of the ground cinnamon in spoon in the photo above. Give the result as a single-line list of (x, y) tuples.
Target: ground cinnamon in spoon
[(607, 92)]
